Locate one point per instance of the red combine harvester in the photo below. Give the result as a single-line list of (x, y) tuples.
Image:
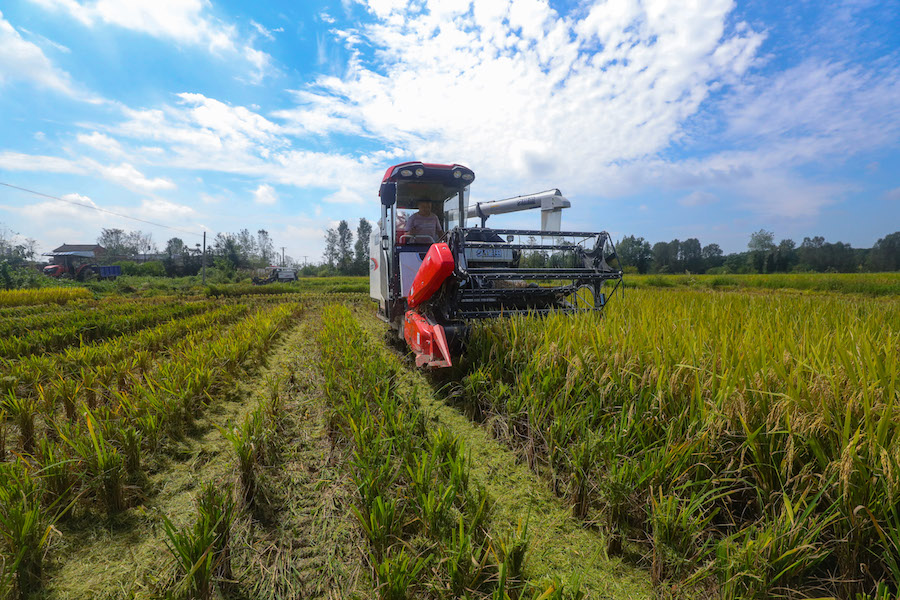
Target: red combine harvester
[(430, 282)]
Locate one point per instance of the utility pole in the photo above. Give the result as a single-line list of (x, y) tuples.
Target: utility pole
[(304, 259), (204, 258), (282, 257)]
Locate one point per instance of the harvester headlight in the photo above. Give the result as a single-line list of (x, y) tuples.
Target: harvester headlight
[(468, 176), (420, 171), (406, 173), (457, 174)]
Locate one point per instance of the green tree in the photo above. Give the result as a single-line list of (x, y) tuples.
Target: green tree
[(331, 247), (713, 256), (785, 255), (665, 257), (344, 248), (762, 250), (361, 248), (174, 255), (691, 255), (885, 254), (265, 247), (227, 250), (636, 252)]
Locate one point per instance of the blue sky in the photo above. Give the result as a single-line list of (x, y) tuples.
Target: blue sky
[(660, 118)]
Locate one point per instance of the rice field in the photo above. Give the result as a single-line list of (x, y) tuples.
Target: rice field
[(92, 394), (745, 445), (698, 440), (48, 295), (871, 284)]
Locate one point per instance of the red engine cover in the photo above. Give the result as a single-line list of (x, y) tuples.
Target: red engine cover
[(428, 341), (436, 267)]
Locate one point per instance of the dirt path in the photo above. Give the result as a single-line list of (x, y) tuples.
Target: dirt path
[(312, 547), (560, 546)]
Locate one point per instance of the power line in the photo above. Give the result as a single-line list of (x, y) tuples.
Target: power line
[(103, 210)]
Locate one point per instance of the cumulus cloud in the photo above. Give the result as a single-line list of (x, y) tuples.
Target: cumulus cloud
[(101, 142), (128, 176), (345, 196), (205, 128), (183, 21), (163, 210), (25, 61), (72, 207), (16, 161), (521, 92), (204, 133), (698, 198), (123, 174), (265, 194), (819, 107), (595, 100)]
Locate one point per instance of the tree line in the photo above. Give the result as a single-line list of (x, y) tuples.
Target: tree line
[(343, 255), (763, 255), (229, 252)]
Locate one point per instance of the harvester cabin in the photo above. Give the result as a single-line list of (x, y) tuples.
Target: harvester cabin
[(445, 187)]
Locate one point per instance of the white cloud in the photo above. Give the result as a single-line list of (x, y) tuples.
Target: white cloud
[(46, 41), (22, 60), (101, 142), (522, 94), (345, 196), (210, 199), (892, 195), (183, 21), (123, 174), (819, 107), (60, 210), (15, 161), (698, 198), (266, 33), (165, 211), (265, 194), (128, 176), (209, 128)]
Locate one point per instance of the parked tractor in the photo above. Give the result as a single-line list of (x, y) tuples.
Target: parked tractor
[(79, 266)]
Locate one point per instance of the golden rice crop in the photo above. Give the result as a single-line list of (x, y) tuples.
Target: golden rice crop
[(760, 429), (60, 295)]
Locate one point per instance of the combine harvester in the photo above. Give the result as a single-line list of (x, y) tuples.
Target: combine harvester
[(429, 289)]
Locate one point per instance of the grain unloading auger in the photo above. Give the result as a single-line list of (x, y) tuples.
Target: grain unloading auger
[(432, 281)]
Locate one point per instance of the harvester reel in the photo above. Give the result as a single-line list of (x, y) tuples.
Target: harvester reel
[(583, 298)]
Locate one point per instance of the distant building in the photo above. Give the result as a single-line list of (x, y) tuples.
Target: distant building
[(97, 249)]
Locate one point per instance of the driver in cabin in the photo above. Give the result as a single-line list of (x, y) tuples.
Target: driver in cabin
[(424, 224)]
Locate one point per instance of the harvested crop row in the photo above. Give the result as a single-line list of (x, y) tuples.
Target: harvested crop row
[(22, 320), (85, 463), (424, 519), (751, 441), (81, 328), (99, 364)]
